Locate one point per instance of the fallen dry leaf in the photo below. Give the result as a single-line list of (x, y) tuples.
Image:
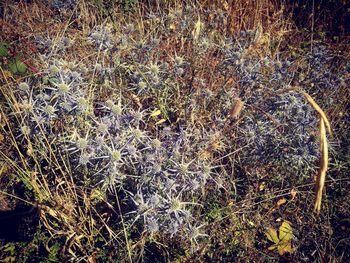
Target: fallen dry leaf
[(293, 193), (281, 202)]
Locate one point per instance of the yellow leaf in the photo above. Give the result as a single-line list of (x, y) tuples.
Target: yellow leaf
[(280, 250), (285, 232), (262, 186), (156, 113), (285, 247), (271, 235), (272, 247), (283, 241), (9, 259), (161, 121)]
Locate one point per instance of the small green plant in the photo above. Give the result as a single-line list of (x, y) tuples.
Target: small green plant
[(8, 250), (3, 49), (15, 64)]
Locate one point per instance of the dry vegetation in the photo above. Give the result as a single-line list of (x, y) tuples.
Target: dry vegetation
[(171, 131)]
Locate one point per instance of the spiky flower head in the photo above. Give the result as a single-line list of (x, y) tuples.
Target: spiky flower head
[(63, 88), (23, 86), (116, 155), (82, 143), (156, 144), (49, 110)]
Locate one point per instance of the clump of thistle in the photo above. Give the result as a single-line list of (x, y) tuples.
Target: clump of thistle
[(101, 37), (48, 45), (283, 135), (163, 172)]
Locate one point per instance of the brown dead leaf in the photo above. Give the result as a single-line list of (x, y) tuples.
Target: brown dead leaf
[(280, 202), (91, 259), (293, 193), (4, 204)]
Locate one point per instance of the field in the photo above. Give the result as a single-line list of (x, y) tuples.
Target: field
[(174, 131)]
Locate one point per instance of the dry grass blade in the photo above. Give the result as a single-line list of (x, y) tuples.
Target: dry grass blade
[(319, 110), (323, 166), (197, 29)]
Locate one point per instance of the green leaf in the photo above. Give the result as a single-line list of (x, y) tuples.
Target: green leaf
[(271, 235), (18, 66), (13, 68), (53, 81), (3, 49), (45, 80)]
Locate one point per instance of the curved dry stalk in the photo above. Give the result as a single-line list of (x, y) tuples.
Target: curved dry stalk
[(319, 110), (323, 166), (324, 123)]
